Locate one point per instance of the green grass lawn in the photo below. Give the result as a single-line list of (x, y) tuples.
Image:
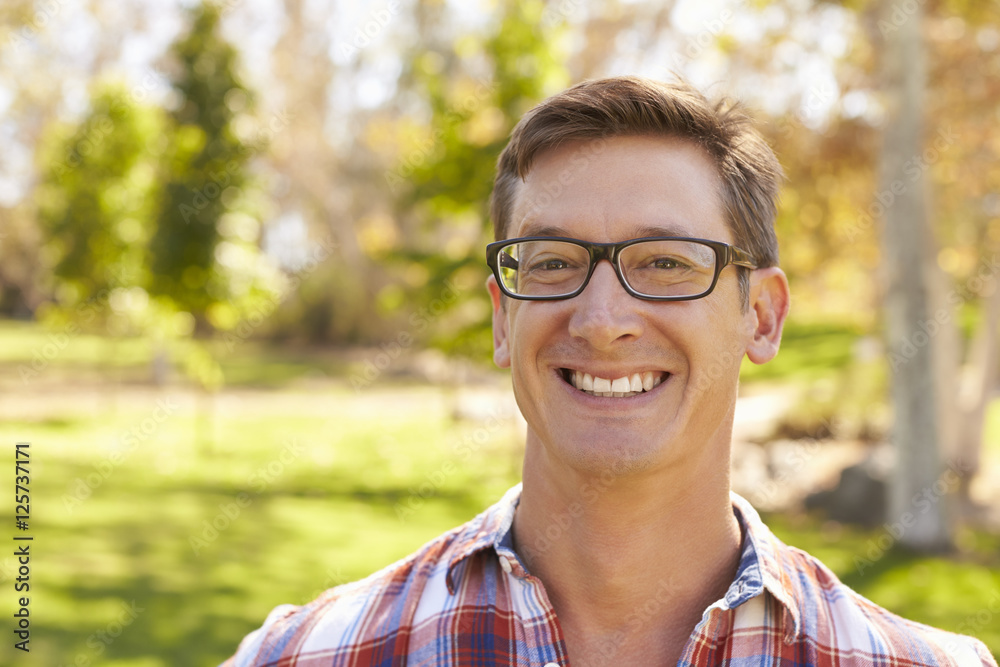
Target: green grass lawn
[(304, 484)]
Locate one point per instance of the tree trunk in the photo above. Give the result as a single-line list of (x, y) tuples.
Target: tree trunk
[(978, 379), (916, 498)]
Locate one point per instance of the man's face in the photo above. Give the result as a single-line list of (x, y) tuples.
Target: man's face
[(608, 191)]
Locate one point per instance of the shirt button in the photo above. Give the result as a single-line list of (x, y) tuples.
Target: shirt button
[(505, 566), (552, 664)]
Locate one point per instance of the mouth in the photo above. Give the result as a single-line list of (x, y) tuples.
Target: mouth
[(625, 386)]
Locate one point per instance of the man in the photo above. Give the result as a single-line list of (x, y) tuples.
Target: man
[(636, 265)]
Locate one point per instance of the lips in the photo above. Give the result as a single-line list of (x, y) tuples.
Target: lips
[(621, 387)]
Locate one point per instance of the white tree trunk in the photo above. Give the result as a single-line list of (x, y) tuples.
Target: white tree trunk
[(978, 379), (916, 502)]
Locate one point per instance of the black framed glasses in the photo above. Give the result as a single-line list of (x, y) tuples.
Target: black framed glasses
[(659, 268)]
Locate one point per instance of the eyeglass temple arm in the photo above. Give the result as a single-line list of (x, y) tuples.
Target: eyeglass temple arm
[(739, 258)]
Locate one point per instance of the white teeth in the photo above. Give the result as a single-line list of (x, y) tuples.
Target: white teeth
[(625, 386), (602, 384)]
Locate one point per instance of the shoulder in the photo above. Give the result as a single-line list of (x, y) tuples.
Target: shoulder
[(835, 618), (345, 617), (824, 621), (369, 620)]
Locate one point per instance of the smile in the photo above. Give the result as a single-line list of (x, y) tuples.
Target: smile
[(623, 387)]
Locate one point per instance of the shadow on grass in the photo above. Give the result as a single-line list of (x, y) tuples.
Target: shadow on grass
[(148, 624)]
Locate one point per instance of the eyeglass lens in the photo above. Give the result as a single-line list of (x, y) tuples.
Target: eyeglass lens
[(653, 268)]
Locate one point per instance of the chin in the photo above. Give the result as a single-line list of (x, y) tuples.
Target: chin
[(591, 456)]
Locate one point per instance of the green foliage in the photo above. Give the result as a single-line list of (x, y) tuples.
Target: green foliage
[(149, 218), (445, 188), (204, 255), (809, 351), (97, 195)]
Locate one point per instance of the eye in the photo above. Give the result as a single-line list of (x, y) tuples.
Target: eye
[(667, 263), (552, 265)]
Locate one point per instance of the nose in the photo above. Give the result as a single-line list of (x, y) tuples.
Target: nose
[(604, 313)]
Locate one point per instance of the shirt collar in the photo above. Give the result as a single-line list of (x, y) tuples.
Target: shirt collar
[(760, 565), (484, 532), (763, 566)]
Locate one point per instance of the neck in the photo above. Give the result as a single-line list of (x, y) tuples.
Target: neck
[(633, 559)]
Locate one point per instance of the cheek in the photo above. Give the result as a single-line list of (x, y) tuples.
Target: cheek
[(532, 326), (717, 347)]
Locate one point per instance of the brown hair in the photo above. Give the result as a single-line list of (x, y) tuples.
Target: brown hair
[(628, 106)]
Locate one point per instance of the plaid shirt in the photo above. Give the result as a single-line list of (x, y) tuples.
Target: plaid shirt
[(466, 599)]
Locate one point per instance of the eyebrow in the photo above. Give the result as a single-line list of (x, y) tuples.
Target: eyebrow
[(639, 232)]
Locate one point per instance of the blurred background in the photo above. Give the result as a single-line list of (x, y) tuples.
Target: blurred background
[(243, 323)]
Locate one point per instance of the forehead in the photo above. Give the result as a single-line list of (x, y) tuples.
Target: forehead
[(619, 188)]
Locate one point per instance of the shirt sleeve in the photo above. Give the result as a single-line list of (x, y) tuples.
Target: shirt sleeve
[(249, 652), (983, 653)]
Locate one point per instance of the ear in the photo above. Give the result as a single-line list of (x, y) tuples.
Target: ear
[(501, 348), (769, 302)]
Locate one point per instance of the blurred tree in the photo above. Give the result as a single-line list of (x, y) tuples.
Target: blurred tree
[(911, 265), (42, 76), (477, 87), (963, 156), (831, 213), (204, 252), (96, 199), (325, 178)]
